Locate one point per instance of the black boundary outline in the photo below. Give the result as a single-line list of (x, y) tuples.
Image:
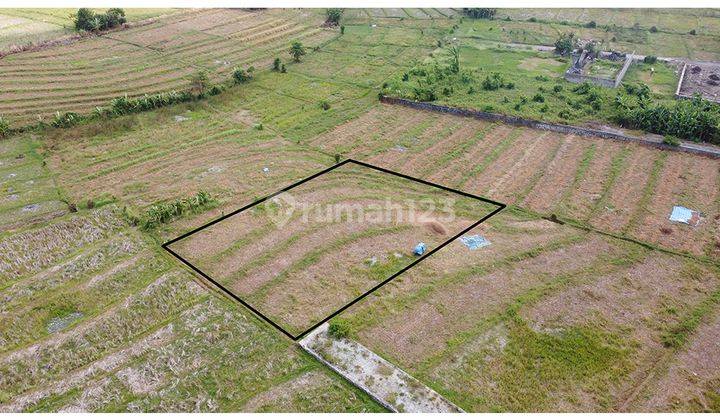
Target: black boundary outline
[(166, 245)]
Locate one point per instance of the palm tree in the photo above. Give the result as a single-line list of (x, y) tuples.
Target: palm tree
[(297, 50)]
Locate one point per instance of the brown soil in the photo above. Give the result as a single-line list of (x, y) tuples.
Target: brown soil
[(452, 174), (422, 164), (513, 180), (558, 177), (589, 190), (421, 145), (690, 373), (688, 181), (625, 194), (419, 331), (435, 227)]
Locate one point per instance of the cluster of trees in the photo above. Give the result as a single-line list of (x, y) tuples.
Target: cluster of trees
[(479, 13), (87, 20)]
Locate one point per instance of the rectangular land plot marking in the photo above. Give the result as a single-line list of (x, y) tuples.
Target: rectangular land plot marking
[(223, 253)]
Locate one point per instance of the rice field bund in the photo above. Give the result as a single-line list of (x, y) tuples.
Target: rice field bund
[(166, 252)]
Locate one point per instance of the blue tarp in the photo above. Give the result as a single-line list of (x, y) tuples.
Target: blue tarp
[(419, 248), (474, 241), (685, 215)]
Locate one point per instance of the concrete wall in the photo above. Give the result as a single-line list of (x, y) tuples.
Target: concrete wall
[(626, 66)]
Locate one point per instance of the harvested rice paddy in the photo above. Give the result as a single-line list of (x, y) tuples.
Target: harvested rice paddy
[(587, 298)]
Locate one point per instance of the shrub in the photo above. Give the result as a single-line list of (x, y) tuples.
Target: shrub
[(297, 50), (538, 98), (325, 105), (114, 17), (671, 140), (332, 16), (65, 120), (532, 19), (243, 76), (591, 24), (339, 328), (653, 29), (650, 59), (276, 64), (342, 29), (493, 82), (479, 13), (557, 88), (693, 32), (4, 127), (582, 89), (283, 69), (424, 94)]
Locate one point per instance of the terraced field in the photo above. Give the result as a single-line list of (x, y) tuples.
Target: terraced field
[(19, 27), (148, 59), (616, 187), (551, 316), (94, 318)]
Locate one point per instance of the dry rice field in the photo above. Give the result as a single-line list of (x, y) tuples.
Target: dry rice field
[(304, 254), (148, 59), (610, 307), (616, 187)]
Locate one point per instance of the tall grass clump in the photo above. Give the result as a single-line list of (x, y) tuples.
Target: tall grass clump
[(164, 212)]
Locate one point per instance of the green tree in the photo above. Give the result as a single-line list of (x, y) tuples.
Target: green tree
[(85, 20), (297, 50), (333, 16), (566, 43)]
